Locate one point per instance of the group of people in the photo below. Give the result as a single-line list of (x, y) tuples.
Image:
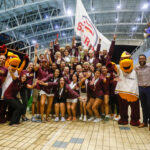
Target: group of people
[(65, 78)]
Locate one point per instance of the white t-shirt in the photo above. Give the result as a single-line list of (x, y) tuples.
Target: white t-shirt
[(8, 81)]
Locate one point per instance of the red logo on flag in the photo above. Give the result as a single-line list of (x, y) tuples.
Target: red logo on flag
[(88, 30)]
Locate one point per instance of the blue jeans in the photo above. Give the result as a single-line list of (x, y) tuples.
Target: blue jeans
[(144, 95)]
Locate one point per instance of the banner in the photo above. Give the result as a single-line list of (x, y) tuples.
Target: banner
[(86, 29)]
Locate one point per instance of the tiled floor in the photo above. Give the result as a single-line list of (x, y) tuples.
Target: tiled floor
[(73, 136)]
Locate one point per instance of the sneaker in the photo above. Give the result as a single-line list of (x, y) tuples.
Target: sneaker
[(81, 117), (33, 119), (117, 117), (39, 120), (106, 119), (103, 116), (38, 116), (91, 119), (85, 118), (48, 119), (57, 119), (97, 120), (63, 119), (25, 119), (112, 116)]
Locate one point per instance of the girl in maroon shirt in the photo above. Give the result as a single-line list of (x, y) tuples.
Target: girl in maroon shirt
[(83, 81), (72, 103), (50, 90), (42, 72), (25, 93), (98, 88), (10, 96), (62, 92), (106, 78), (113, 97)]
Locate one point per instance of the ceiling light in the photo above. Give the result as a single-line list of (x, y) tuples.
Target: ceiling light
[(69, 12), (34, 41), (119, 6), (56, 26), (145, 6), (63, 34), (134, 28), (116, 19), (46, 16), (138, 19)]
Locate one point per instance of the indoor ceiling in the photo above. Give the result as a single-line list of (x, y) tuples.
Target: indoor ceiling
[(31, 21)]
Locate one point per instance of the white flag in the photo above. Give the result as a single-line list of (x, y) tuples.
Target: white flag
[(86, 29)]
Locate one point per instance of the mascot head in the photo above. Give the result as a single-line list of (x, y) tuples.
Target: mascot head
[(14, 63), (126, 62), (3, 50)]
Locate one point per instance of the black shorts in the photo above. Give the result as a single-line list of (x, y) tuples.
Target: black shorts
[(57, 100), (100, 97)]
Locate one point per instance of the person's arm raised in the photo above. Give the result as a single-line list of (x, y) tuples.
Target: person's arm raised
[(36, 66), (35, 53)]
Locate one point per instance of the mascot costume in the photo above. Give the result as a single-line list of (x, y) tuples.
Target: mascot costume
[(127, 89), (11, 56), (13, 61)]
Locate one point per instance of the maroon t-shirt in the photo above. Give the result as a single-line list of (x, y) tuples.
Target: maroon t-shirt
[(13, 89), (3, 74), (41, 74), (47, 89), (67, 78), (30, 76), (100, 88)]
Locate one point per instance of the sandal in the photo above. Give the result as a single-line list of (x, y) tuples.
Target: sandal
[(74, 119), (14, 125), (43, 121), (48, 119), (69, 119)]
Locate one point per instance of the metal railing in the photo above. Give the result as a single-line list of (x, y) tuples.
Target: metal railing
[(141, 49)]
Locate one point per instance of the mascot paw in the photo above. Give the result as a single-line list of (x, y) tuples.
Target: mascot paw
[(133, 123), (109, 65), (3, 49), (122, 122), (26, 57)]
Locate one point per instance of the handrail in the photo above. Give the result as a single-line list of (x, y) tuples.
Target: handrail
[(19, 52), (141, 49)]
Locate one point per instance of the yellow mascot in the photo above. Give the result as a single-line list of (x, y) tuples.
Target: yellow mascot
[(127, 89), (12, 59)]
